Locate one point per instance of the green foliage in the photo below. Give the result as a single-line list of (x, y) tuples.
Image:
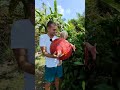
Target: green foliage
[(112, 4), (73, 67), (103, 87), (42, 18), (103, 28), (10, 77)]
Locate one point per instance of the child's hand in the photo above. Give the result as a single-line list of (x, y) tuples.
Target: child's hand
[(74, 47)]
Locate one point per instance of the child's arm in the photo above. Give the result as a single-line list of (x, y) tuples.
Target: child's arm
[(73, 46)]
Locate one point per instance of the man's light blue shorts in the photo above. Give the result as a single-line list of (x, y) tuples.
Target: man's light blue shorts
[(52, 72)]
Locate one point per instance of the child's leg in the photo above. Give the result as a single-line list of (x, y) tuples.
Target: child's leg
[(60, 62)]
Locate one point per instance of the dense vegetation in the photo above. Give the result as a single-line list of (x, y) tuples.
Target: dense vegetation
[(11, 78), (73, 68), (102, 24)]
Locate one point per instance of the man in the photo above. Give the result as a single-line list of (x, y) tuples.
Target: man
[(53, 71), (22, 44)]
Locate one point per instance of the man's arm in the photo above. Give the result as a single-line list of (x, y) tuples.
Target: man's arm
[(45, 53), (22, 60)]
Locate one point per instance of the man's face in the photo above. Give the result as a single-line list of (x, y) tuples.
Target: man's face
[(52, 29)]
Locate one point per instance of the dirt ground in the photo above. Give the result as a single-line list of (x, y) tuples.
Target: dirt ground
[(10, 77)]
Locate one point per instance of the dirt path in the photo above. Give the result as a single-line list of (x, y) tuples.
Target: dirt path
[(40, 78), (10, 77), (39, 72)]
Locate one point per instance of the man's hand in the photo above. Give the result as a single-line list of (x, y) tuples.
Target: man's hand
[(54, 55), (45, 53), (58, 54)]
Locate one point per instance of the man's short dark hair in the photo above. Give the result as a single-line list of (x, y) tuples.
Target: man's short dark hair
[(50, 22)]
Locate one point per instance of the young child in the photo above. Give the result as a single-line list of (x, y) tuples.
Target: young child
[(64, 35)]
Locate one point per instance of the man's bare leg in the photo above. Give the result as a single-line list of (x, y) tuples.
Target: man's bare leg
[(57, 83), (47, 86)]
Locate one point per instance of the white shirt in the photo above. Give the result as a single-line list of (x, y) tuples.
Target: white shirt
[(22, 36), (45, 41)]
